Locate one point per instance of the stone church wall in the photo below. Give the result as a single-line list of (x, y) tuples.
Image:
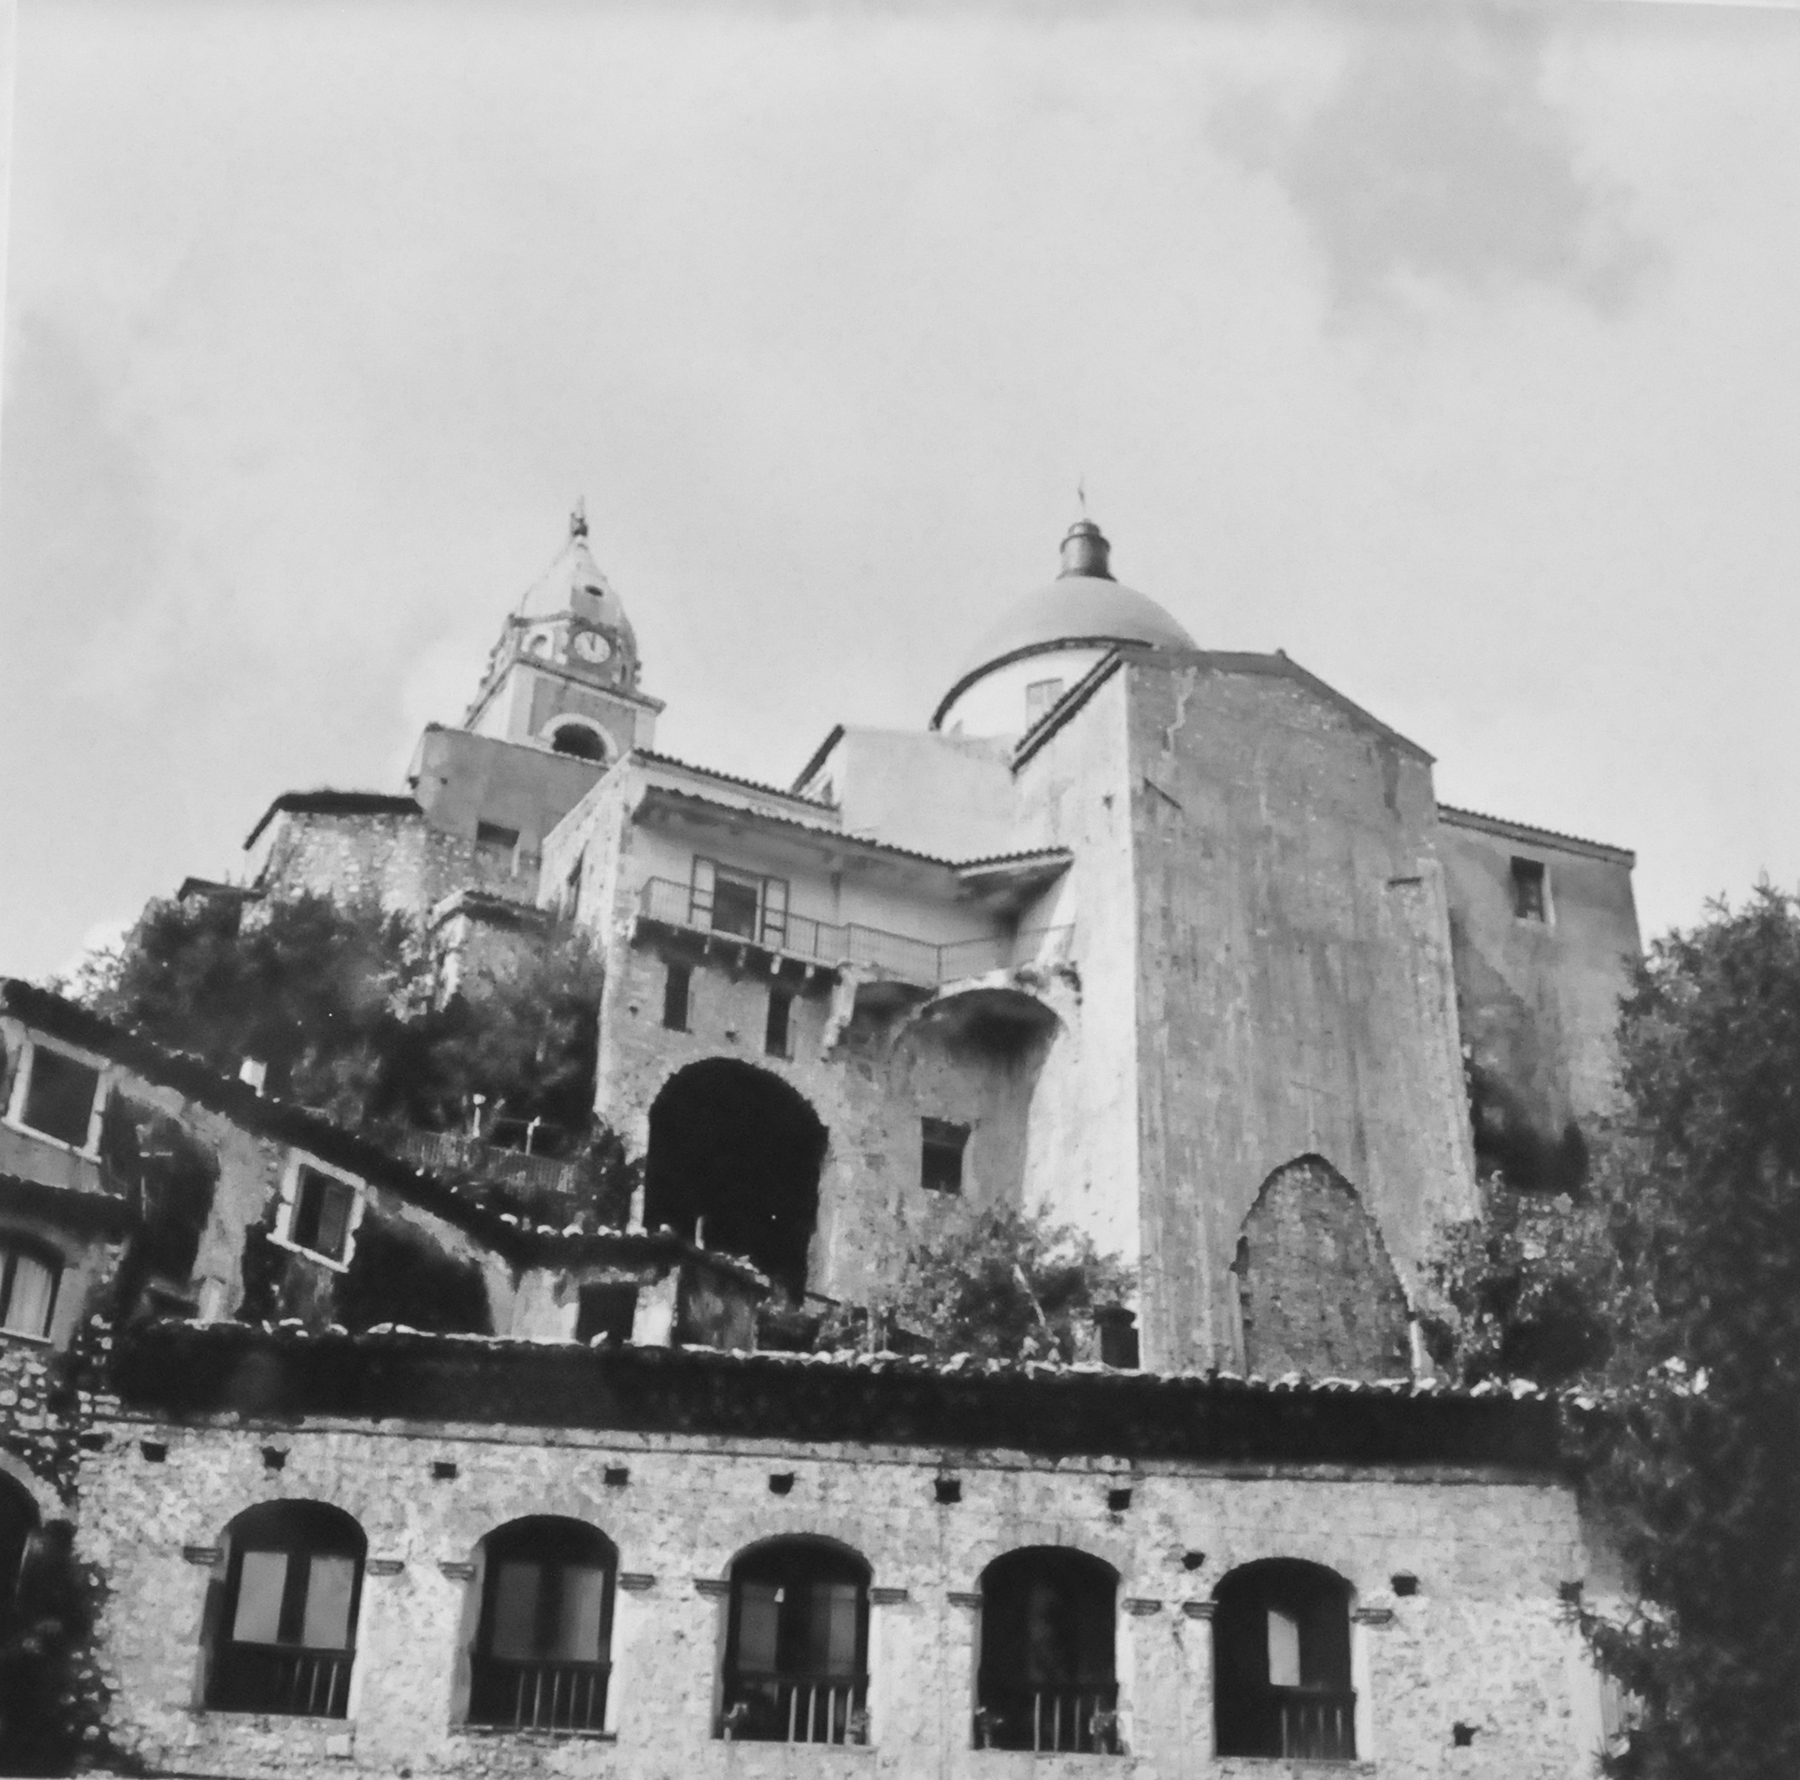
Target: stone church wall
[(1538, 998), (1294, 977), (1480, 1642)]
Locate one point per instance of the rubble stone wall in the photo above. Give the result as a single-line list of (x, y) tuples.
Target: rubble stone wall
[(1480, 1643)]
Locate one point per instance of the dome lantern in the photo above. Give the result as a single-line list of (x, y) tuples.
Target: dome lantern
[(1085, 552)]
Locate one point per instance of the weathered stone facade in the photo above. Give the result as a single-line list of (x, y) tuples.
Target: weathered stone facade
[(1457, 1568), (1169, 945)]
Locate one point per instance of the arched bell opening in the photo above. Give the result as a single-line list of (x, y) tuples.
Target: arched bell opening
[(734, 1163), (581, 741)]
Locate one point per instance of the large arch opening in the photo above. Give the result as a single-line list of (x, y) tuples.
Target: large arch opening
[(734, 1163)]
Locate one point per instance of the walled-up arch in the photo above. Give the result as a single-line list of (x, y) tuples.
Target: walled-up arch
[(1317, 1288), (734, 1161)]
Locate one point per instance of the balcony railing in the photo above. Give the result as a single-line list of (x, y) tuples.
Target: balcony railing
[(796, 1709), (1311, 1724), (538, 1696), (1072, 1719), (833, 943), (279, 1679)]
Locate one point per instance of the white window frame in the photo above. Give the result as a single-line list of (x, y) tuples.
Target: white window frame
[(771, 900), (21, 1090), (290, 1206)]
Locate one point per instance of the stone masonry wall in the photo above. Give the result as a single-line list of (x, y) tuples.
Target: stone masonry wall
[(1480, 1642), (869, 1082), (400, 860)]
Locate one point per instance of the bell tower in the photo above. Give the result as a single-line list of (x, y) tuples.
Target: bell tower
[(564, 673)]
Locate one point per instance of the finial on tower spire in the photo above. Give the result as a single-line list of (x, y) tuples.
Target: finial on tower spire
[(1081, 494), (578, 520)]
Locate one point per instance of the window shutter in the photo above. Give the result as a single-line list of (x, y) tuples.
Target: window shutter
[(700, 900), (774, 912)]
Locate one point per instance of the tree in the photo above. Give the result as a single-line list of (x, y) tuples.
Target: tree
[(339, 1002), (527, 1038), (1006, 1285), (315, 990), (1686, 1260)]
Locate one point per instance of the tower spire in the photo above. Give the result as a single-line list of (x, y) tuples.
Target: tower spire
[(578, 527)]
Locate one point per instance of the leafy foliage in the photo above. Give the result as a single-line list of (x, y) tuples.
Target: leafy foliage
[(528, 1038), (52, 1701), (1682, 1281), (1005, 1285), (321, 993), (339, 1001)]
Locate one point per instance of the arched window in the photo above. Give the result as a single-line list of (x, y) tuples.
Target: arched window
[(284, 1634), (1046, 1680), (797, 1646), (579, 740), (1281, 1663), (18, 1521), (29, 1277), (544, 1637)]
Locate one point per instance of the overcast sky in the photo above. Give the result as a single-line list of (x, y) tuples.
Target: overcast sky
[(1453, 350)]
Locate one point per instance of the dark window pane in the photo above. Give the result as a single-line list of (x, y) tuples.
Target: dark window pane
[(59, 1099), (322, 1215), (1528, 890), (675, 997), (608, 1310), (734, 907), (941, 1157), (775, 1035)]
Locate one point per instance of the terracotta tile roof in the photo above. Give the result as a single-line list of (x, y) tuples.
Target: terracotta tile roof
[(194, 1367), (334, 803), (282, 1121), (1529, 831)]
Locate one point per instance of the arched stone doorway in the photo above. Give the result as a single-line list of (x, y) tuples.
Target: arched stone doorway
[(734, 1160)]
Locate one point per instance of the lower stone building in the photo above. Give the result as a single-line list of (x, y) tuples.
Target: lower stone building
[(416, 1555)]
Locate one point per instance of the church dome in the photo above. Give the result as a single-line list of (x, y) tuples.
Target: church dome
[(1084, 608)]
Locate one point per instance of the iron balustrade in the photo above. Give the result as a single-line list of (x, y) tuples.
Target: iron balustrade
[(532, 1695), (1313, 1724), (833, 943), (277, 1678), (794, 1708), (1075, 1718)]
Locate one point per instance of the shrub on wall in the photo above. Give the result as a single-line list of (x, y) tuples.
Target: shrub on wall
[(1001, 1285)]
